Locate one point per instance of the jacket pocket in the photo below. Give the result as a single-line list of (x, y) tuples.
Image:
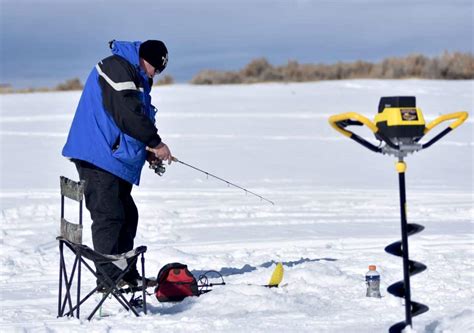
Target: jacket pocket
[(129, 151)]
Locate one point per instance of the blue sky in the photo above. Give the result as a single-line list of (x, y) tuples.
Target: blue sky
[(46, 42)]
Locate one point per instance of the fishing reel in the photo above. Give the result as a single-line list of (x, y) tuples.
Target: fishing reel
[(158, 166)]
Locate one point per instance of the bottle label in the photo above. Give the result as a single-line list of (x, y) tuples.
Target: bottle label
[(372, 278), (373, 285)]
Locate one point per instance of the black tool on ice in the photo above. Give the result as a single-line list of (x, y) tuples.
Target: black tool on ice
[(400, 125), (159, 169), (205, 284)]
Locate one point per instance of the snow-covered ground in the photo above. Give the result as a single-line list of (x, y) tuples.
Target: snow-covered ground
[(336, 208)]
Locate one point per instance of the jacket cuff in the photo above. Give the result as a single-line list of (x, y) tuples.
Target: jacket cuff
[(153, 143)]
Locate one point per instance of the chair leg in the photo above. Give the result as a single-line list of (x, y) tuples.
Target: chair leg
[(143, 283), (81, 302), (61, 267), (68, 282), (71, 311), (118, 296), (98, 306), (112, 289), (78, 284)]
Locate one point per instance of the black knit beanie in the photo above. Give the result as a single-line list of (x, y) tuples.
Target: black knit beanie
[(155, 53)]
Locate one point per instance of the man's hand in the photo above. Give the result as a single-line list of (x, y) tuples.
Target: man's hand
[(161, 152), (150, 157)]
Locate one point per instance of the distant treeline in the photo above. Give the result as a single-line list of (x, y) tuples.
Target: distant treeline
[(69, 85), (449, 66)]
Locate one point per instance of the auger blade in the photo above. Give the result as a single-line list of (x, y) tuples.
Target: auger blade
[(418, 308), (395, 249), (397, 289), (416, 267), (398, 327), (413, 228)]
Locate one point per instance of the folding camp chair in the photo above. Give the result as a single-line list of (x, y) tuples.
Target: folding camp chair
[(71, 236)]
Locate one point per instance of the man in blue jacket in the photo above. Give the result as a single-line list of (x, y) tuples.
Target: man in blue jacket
[(112, 134)]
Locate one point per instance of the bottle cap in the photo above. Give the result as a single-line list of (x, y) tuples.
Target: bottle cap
[(372, 267)]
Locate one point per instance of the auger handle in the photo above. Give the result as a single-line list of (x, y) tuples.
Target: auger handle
[(341, 121), (460, 118)]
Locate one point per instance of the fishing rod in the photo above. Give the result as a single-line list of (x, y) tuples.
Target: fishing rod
[(159, 169)]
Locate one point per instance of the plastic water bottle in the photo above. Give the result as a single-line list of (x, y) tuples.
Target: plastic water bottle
[(372, 279)]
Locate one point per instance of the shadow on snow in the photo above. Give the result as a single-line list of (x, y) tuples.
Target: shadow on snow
[(227, 271)]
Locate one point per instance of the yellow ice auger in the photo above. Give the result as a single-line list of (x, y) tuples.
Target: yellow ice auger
[(400, 126)]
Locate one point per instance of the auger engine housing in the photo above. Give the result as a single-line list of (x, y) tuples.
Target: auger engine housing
[(399, 119)]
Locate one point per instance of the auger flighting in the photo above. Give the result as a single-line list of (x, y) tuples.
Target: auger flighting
[(400, 125), (159, 169)]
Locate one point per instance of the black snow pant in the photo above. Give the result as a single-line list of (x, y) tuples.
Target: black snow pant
[(113, 213)]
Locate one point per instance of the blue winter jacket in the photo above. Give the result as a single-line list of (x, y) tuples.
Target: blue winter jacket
[(114, 120)]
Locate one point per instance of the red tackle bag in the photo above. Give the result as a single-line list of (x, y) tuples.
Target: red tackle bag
[(175, 282)]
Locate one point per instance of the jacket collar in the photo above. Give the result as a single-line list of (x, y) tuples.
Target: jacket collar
[(129, 51)]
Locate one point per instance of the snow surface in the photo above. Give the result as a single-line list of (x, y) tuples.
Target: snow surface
[(336, 208)]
